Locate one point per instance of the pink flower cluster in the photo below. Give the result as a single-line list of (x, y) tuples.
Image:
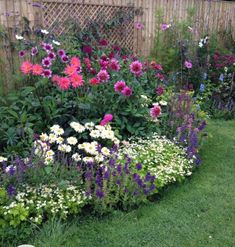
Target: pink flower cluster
[(34, 69), (122, 88)]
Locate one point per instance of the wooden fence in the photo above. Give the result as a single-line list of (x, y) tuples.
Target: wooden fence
[(210, 15)]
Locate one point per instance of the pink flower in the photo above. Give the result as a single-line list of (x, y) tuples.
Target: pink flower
[(26, 67), (87, 49), (114, 64), (103, 76), (127, 91), (160, 90), (164, 26), (34, 51), (37, 69), (139, 25), (70, 70), (136, 68), (160, 76), (76, 80), (94, 81), (119, 86), (55, 79), (103, 64), (103, 42), (75, 62), (46, 73), (188, 64), (155, 111), (87, 62), (46, 62), (64, 83), (107, 118)]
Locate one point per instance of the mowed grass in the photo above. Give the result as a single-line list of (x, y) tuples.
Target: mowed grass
[(200, 212)]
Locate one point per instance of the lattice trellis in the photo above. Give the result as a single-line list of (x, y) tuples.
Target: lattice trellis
[(57, 14)]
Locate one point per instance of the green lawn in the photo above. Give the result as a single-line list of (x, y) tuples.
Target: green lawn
[(200, 212)]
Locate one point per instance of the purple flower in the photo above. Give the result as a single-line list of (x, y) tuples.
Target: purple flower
[(46, 73), (11, 190), (119, 169), (22, 53), (164, 26), (139, 25), (52, 55), (47, 47), (34, 51), (65, 59), (188, 64), (118, 182), (107, 175), (46, 62), (98, 180), (61, 53), (88, 175), (202, 125), (87, 49), (138, 166), (99, 194)]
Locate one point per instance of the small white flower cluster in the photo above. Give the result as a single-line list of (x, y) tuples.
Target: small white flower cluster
[(160, 156), (46, 200)]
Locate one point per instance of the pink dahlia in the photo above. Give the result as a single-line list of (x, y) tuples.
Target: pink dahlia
[(64, 83), (26, 67), (160, 76), (114, 64), (127, 91), (188, 64), (37, 69), (70, 70), (160, 90), (76, 80), (103, 42), (75, 61), (87, 62), (155, 111), (94, 81), (55, 79), (103, 76), (136, 68), (107, 118), (119, 86)]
